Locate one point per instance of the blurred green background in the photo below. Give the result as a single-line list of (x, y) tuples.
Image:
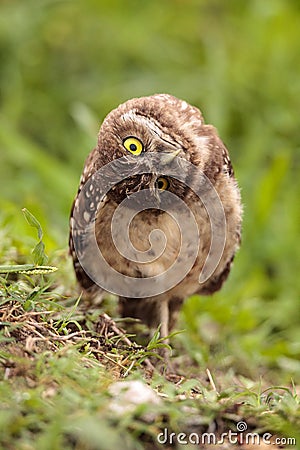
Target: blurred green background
[(65, 64)]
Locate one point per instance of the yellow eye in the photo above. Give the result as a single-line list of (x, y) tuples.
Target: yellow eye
[(133, 145), (162, 183)]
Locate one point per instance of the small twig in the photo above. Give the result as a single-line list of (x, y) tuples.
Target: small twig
[(211, 380), (128, 369), (67, 336), (105, 355)]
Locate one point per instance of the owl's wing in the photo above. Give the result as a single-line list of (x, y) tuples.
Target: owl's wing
[(76, 251), (215, 283), (227, 166), (79, 224), (222, 168)]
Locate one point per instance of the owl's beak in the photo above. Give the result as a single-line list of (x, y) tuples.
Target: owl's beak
[(153, 188), (167, 157)]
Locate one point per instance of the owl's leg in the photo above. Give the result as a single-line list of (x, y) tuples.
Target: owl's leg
[(169, 309), (164, 319), (152, 311), (165, 365), (145, 309)]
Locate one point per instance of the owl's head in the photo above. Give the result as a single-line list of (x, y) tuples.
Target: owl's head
[(159, 124)]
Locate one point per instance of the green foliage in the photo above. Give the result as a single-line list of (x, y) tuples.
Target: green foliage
[(56, 390), (39, 256)]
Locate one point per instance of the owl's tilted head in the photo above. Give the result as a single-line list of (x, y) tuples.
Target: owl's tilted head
[(159, 124)]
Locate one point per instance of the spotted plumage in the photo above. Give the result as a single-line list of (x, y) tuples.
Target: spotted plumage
[(162, 125)]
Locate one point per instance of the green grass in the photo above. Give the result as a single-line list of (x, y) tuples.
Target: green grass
[(63, 66), (61, 363)]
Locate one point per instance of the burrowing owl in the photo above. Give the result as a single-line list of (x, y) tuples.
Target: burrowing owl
[(156, 166)]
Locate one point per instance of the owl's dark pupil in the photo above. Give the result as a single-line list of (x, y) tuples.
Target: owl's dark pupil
[(133, 147), (160, 184)]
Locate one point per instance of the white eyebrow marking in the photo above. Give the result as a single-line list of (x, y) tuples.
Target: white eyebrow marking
[(142, 120), (151, 125)]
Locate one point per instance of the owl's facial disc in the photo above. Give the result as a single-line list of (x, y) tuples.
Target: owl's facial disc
[(149, 139)]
